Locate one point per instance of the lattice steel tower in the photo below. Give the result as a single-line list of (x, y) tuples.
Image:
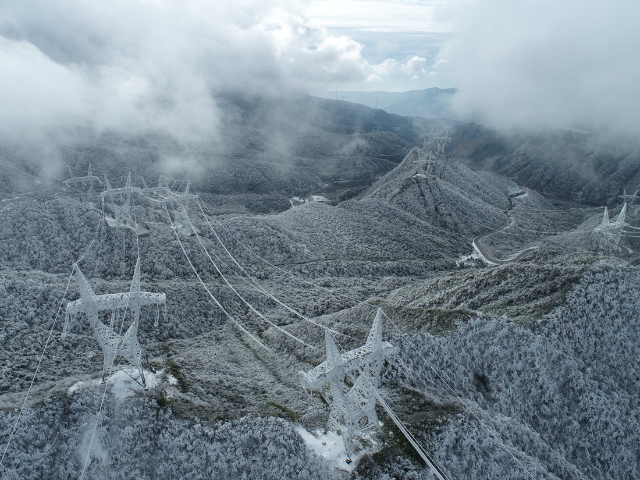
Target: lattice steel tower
[(114, 344), (353, 409)]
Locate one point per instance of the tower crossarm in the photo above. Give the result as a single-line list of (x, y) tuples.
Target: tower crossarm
[(76, 180), (361, 352), (114, 301), (180, 198), (353, 360), (118, 191), (161, 190)]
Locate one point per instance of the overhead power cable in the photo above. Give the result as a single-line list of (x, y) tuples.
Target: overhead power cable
[(254, 310), (46, 344), (236, 322), (260, 287), (467, 406), (491, 432)]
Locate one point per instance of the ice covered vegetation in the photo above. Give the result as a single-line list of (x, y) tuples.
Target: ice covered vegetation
[(347, 297)]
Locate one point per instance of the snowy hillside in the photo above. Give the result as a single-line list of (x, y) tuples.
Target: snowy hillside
[(228, 398)]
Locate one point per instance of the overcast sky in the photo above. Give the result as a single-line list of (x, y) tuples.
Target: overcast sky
[(401, 39), (139, 66)]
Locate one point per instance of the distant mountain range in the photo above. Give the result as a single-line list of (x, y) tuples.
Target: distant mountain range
[(307, 145), (428, 103), (570, 164)]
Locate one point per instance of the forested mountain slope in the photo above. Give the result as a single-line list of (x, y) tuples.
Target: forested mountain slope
[(540, 348)]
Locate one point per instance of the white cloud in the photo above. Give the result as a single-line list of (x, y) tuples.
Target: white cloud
[(441, 62), (380, 15), (374, 78), (548, 63), (155, 65), (414, 65), (388, 67), (391, 67)]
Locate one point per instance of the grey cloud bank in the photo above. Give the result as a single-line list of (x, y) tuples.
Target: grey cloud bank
[(548, 64), (73, 70)]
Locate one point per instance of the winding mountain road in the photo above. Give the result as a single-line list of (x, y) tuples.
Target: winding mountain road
[(490, 259)]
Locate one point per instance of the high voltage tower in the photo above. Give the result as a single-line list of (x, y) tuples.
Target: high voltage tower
[(629, 198), (427, 140), (120, 200), (114, 344), (88, 180), (353, 410), (609, 232), (430, 139), (182, 201), (122, 211)]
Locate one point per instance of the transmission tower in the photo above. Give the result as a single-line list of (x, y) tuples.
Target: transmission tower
[(352, 409), (122, 212), (427, 140), (442, 142), (181, 201), (629, 198), (114, 344), (609, 232), (88, 180)]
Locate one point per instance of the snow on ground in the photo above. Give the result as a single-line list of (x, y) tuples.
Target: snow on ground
[(297, 201), (464, 259), (330, 446), (122, 383)]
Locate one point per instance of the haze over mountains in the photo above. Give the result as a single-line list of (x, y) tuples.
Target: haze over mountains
[(427, 103), (301, 145), (277, 222), (313, 190), (468, 223)]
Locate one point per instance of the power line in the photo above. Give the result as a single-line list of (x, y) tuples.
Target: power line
[(207, 288), (277, 327), (259, 287), (490, 431), (46, 344), (417, 351)]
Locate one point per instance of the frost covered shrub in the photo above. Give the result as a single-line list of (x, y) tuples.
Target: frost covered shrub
[(563, 396), (137, 439)]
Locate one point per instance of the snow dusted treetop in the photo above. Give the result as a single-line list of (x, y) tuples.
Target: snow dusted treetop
[(114, 344)]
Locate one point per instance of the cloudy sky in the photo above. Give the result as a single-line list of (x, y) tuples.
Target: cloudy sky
[(140, 66), (400, 39)]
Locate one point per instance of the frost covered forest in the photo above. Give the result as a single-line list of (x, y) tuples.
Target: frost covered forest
[(561, 392), (523, 369)]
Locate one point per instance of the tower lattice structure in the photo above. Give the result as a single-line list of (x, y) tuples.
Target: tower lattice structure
[(352, 408), (114, 344)]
